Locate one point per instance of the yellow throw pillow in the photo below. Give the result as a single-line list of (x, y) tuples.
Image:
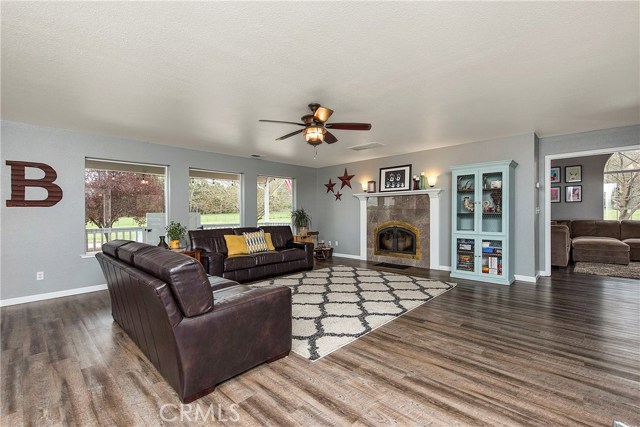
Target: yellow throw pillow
[(267, 238), (236, 245)]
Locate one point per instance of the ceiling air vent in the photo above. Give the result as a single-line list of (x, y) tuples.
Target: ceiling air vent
[(366, 146)]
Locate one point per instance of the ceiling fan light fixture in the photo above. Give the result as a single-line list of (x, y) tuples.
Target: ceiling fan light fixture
[(314, 135), (322, 114)]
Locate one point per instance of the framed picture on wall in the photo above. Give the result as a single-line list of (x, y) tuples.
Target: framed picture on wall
[(573, 193), (555, 175), (573, 174), (555, 194), (396, 178)]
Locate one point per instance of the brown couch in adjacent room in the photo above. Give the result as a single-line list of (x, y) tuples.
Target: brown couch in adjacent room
[(630, 234), (602, 241), (196, 330), (288, 256)]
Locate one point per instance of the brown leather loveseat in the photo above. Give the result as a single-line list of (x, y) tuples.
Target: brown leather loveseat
[(288, 256), (196, 330)]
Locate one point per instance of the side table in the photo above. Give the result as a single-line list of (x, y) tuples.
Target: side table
[(195, 253)]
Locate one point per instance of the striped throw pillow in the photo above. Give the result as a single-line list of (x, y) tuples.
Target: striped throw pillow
[(256, 242)]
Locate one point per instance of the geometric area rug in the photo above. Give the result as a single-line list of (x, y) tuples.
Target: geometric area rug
[(631, 271), (334, 306)]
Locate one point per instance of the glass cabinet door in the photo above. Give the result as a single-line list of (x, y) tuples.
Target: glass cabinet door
[(465, 202), (492, 257), (491, 204), (465, 254)]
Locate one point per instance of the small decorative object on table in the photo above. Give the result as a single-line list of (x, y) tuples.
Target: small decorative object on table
[(416, 182), (163, 243), (175, 231), (371, 187)]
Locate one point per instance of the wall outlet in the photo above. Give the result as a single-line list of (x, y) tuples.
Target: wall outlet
[(336, 243), (329, 242), (40, 275)]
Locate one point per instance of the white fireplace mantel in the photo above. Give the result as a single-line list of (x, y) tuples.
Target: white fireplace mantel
[(434, 220)]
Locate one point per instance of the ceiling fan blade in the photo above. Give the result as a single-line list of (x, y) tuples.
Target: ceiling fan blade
[(289, 135), (349, 126), (330, 138), (280, 121)]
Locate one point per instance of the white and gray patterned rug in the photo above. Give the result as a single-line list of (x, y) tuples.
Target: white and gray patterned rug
[(336, 305)]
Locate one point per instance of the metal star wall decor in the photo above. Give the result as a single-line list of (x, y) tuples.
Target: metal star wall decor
[(346, 179), (338, 195), (330, 185)]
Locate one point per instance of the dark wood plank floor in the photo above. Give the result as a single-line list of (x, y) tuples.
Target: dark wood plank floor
[(563, 352)]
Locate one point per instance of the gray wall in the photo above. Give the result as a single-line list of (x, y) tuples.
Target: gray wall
[(592, 180), (339, 220), (628, 136), (52, 239)]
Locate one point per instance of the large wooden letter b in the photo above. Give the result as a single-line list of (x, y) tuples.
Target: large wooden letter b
[(19, 183)]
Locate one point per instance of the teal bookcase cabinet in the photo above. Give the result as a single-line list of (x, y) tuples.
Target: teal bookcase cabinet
[(482, 221)]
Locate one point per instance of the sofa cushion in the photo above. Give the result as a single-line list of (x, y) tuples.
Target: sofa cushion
[(292, 254), (634, 248), (595, 228), (111, 248), (241, 230), (239, 262), (265, 258), (595, 242), (280, 235), (255, 242), (629, 229), (210, 240), (236, 245), (267, 238), (126, 252), (184, 275)]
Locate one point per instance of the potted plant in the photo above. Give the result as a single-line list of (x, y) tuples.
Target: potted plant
[(301, 220), (175, 231)]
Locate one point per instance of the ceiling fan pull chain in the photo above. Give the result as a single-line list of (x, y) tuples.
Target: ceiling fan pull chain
[(315, 155)]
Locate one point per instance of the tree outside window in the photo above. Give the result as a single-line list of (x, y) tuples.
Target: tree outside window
[(215, 198), (118, 199), (275, 200), (622, 186)]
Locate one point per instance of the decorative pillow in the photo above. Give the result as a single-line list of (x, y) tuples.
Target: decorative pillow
[(236, 245), (267, 238), (256, 242)]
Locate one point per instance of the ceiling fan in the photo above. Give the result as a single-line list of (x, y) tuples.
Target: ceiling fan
[(315, 126)]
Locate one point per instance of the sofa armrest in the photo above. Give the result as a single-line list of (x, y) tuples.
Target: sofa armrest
[(560, 245), (213, 263), (307, 247), (248, 326)]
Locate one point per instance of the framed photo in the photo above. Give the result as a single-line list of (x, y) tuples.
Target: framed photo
[(555, 194), (573, 193), (573, 174), (396, 178), (555, 175), (371, 187)]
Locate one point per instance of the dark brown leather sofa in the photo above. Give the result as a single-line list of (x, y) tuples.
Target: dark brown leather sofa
[(287, 258), (197, 331)]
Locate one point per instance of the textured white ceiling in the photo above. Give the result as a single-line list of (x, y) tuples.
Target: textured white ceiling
[(425, 74)]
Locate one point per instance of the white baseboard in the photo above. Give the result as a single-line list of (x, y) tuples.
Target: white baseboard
[(442, 267), (529, 279), (51, 295), (346, 256)]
